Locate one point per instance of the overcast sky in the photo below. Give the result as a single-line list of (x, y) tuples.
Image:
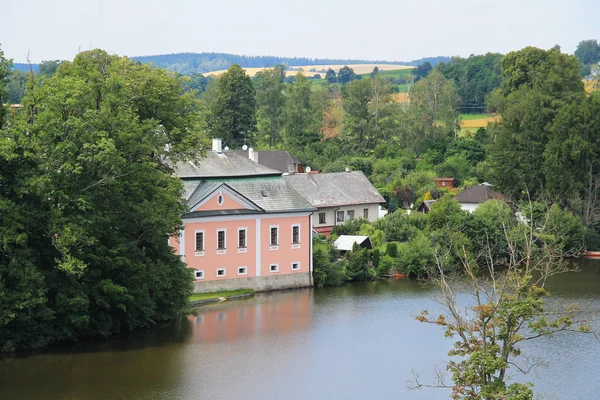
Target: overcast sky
[(398, 30)]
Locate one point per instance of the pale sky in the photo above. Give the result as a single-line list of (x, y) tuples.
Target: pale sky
[(394, 30)]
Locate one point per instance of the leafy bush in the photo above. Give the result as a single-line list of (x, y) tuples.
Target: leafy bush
[(350, 227), (416, 256), (391, 250), (327, 270)]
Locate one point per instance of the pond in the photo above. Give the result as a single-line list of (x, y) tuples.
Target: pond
[(355, 341)]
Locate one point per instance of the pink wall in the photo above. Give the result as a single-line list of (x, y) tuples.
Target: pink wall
[(285, 254), (213, 204)]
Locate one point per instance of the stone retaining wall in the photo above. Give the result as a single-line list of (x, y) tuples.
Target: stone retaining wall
[(259, 284)]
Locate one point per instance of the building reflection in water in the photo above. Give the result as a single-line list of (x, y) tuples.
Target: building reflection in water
[(264, 314)]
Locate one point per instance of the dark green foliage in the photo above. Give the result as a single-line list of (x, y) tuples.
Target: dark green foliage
[(416, 256), (15, 86), (358, 264), (232, 111), (327, 268), (422, 71), (445, 214), (588, 51), (88, 203), (391, 249), (536, 84), (331, 76), (48, 68), (398, 226), (475, 78), (5, 67), (196, 82), (346, 75), (350, 227)]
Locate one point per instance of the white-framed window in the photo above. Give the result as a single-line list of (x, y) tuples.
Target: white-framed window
[(198, 274), (295, 266), (366, 213), (350, 215), (322, 218), (274, 237), (295, 234), (274, 268), (199, 243), (221, 241), (221, 272), (242, 239), (220, 199), (242, 270), (443, 183), (339, 216)]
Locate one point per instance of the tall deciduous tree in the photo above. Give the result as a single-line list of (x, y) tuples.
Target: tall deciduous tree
[(270, 101), (232, 111), (89, 202), (302, 117), (536, 83), (588, 51)]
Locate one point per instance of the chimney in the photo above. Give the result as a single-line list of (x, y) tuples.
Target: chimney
[(252, 155), (216, 145)]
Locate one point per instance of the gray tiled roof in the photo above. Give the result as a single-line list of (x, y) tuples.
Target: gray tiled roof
[(335, 189), (269, 194), (479, 194), (279, 160), (222, 165)]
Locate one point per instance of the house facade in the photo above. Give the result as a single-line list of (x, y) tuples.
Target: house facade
[(339, 197), (245, 226)]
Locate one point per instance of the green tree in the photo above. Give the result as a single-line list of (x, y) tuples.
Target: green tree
[(588, 51), (232, 111), (48, 68), (346, 75), (5, 67), (302, 119), (270, 102), (331, 76), (422, 70), (505, 309), (93, 202), (15, 86), (536, 84)]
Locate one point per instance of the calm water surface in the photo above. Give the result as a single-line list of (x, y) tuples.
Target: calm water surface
[(357, 341)]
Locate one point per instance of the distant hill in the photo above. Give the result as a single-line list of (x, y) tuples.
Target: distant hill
[(23, 67), (192, 63)]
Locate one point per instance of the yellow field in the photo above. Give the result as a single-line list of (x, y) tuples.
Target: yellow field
[(322, 69), (478, 123)]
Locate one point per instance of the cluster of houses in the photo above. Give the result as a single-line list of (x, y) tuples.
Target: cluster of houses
[(251, 216)]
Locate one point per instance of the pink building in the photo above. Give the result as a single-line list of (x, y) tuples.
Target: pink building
[(245, 228)]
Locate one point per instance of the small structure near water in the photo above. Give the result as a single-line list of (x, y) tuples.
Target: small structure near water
[(346, 242)]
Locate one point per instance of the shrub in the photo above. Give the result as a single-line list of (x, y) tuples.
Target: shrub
[(391, 249), (416, 256)]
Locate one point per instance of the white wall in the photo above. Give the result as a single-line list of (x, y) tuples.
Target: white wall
[(358, 213), (470, 207)]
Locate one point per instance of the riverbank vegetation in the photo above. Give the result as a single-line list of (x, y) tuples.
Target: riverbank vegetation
[(217, 295), (88, 201)]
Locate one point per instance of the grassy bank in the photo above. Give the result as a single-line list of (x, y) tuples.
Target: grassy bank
[(216, 295)]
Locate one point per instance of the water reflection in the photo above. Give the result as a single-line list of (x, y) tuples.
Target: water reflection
[(355, 341), (266, 314)]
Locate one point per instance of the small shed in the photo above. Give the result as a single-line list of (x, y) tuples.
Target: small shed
[(346, 242), (425, 206)]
